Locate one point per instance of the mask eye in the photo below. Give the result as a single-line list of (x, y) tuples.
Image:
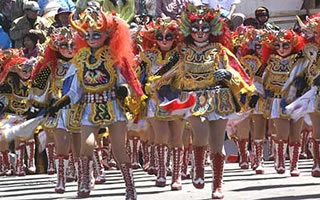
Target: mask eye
[(169, 37), (195, 29), (63, 46), (96, 36), (285, 45), (87, 37), (159, 37), (277, 46), (206, 29)]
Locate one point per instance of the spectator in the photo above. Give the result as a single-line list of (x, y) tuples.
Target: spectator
[(227, 9), (145, 7), (251, 22), (62, 18), (4, 22), (5, 42), (29, 23), (30, 42), (12, 9), (169, 8), (262, 15), (66, 4)]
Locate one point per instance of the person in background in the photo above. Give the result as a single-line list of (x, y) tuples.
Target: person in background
[(5, 42), (62, 18), (66, 4), (29, 23), (12, 9), (227, 9), (169, 8), (30, 45), (262, 16), (251, 22)]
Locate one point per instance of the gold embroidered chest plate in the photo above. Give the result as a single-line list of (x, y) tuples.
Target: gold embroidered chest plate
[(278, 70), (199, 65), (96, 76)]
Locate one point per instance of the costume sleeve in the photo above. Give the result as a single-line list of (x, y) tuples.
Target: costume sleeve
[(73, 88)]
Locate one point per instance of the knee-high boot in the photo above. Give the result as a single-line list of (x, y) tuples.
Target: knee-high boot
[(145, 147), (217, 160), (197, 173), (30, 146), (98, 167), (152, 167), (161, 150), (134, 145), (71, 170), (61, 166), (20, 168), (316, 157), (51, 157), (258, 157), (86, 179), (280, 156), (294, 151), (6, 163), (185, 163), (244, 154), (177, 157), (127, 174)]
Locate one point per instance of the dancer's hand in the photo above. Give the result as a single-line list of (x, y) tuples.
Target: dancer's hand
[(221, 74)]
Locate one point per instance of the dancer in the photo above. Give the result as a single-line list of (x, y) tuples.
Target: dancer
[(99, 86), (282, 52), (213, 73), (160, 56)]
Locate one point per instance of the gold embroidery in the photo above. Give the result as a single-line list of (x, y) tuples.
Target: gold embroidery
[(98, 76)]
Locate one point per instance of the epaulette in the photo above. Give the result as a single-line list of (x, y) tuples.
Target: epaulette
[(41, 79)]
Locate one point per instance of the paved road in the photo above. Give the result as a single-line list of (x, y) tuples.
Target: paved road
[(238, 185)]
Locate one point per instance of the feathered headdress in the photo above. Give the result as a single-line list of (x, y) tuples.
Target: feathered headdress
[(199, 14), (119, 39), (273, 37), (11, 60), (57, 37), (311, 26), (149, 34)]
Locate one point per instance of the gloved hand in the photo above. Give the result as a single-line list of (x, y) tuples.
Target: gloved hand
[(2, 108), (122, 92), (316, 81), (64, 101), (221, 74), (243, 98), (253, 101)]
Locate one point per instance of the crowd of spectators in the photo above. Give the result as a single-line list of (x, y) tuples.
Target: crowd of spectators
[(25, 23)]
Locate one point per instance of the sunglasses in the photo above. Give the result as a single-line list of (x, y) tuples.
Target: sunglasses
[(203, 29), (168, 37), (67, 46), (283, 45), (94, 36)]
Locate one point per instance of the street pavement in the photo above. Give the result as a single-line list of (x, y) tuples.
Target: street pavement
[(238, 185)]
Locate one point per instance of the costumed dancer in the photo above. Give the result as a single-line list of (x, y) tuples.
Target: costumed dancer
[(214, 74), (310, 101), (159, 57), (283, 54), (47, 86), (101, 85), (16, 71), (250, 52)]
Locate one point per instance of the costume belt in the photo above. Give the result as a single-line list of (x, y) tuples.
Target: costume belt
[(99, 97)]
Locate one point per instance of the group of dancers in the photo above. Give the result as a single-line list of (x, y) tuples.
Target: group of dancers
[(175, 86)]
